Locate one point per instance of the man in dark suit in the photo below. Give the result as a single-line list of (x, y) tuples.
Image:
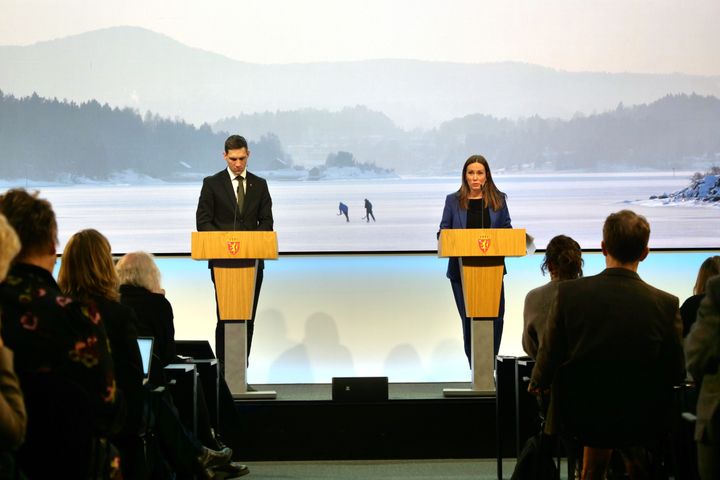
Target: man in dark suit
[(611, 353), (235, 199)]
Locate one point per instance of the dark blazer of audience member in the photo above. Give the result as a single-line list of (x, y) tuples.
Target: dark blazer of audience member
[(13, 417), (702, 354), (140, 290), (51, 333), (563, 259), (477, 204), (611, 349), (689, 309), (87, 273)]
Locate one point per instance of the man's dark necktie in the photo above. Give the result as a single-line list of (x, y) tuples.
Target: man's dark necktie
[(240, 193)]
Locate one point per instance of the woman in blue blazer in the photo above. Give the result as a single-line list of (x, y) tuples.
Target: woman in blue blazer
[(477, 204)]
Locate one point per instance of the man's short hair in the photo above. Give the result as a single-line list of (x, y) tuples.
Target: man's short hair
[(33, 220), (626, 235), (235, 142)]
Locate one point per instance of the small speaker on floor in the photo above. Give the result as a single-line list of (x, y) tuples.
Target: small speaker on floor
[(359, 389)]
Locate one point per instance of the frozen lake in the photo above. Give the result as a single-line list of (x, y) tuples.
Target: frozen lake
[(159, 217), (387, 315)]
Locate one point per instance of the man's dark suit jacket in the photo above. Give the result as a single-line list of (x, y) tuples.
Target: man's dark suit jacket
[(612, 352), (217, 207)]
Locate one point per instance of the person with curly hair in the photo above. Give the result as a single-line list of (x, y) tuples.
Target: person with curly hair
[(563, 259)]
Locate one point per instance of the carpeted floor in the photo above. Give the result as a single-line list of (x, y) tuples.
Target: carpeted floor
[(381, 469)]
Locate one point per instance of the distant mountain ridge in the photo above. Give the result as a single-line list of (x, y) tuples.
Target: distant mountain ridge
[(144, 70), (98, 142)]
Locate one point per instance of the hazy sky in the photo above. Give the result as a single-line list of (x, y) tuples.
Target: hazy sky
[(657, 36)]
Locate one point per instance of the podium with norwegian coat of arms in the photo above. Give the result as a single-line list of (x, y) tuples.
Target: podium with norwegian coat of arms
[(237, 255), (481, 254)]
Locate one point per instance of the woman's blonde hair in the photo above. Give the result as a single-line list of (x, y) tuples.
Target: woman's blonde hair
[(709, 268), (139, 269), (87, 268), (9, 246)]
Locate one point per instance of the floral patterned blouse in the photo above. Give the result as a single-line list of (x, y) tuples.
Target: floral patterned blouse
[(50, 332)]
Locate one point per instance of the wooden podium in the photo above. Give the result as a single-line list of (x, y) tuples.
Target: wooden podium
[(238, 254), (481, 253)]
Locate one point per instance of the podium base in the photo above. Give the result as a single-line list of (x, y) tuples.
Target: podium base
[(467, 392), (257, 395)]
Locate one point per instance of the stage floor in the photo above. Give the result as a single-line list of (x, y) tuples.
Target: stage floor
[(415, 422), (318, 392)]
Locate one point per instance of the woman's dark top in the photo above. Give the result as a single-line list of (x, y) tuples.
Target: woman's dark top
[(689, 310), (120, 323), (154, 319), (478, 214)]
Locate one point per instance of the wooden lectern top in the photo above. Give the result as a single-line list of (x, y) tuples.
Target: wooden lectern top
[(482, 242), (234, 245)]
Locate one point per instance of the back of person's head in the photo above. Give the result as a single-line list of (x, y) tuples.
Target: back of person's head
[(626, 235), (9, 246), (709, 268), (235, 142), (563, 258), (139, 269), (87, 268), (32, 219)]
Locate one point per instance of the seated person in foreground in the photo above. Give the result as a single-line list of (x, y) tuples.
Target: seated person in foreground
[(563, 259), (60, 350), (87, 272), (140, 289), (611, 354), (13, 418), (689, 309), (702, 352)]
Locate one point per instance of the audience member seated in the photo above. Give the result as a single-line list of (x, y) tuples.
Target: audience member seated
[(87, 273), (709, 268), (563, 259), (611, 354), (13, 419), (702, 354), (60, 350), (141, 289)]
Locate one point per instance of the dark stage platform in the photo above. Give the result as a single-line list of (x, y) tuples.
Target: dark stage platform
[(416, 422)]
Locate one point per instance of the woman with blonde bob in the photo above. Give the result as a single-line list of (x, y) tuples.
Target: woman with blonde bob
[(689, 309), (140, 289)]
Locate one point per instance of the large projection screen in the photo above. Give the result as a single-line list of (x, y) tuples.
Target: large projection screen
[(117, 110)]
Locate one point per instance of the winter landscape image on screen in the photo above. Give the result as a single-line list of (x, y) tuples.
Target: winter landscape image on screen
[(580, 111)]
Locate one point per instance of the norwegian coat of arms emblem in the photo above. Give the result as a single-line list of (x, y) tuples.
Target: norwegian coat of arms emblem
[(233, 247), (484, 244)]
